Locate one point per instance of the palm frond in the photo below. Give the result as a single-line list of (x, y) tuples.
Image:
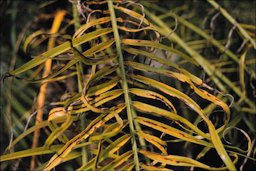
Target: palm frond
[(131, 108)]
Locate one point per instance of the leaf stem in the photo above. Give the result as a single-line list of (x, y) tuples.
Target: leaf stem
[(79, 78), (124, 83)]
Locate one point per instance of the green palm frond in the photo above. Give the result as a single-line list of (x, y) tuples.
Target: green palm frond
[(129, 101)]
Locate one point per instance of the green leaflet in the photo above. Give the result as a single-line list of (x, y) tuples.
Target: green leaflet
[(50, 54), (37, 151), (147, 43), (41, 125)]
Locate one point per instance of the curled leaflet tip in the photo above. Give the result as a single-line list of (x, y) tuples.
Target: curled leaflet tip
[(231, 99), (4, 76)]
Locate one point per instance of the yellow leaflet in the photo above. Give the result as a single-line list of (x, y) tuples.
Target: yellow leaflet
[(175, 160), (84, 57), (193, 105), (132, 30), (102, 88), (112, 148), (118, 146), (118, 161), (241, 76), (91, 107), (116, 129), (84, 27), (62, 138), (219, 147), (85, 100), (102, 2), (59, 131), (154, 140), (152, 137), (106, 97), (98, 122), (30, 38), (97, 156), (102, 73), (98, 48), (103, 95), (128, 167), (153, 168), (195, 79), (97, 101), (111, 131), (171, 91), (103, 20), (114, 125), (84, 95), (71, 156), (248, 26), (153, 95), (60, 78), (56, 112), (184, 78), (146, 108), (171, 131), (202, 152), (133, 14)]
